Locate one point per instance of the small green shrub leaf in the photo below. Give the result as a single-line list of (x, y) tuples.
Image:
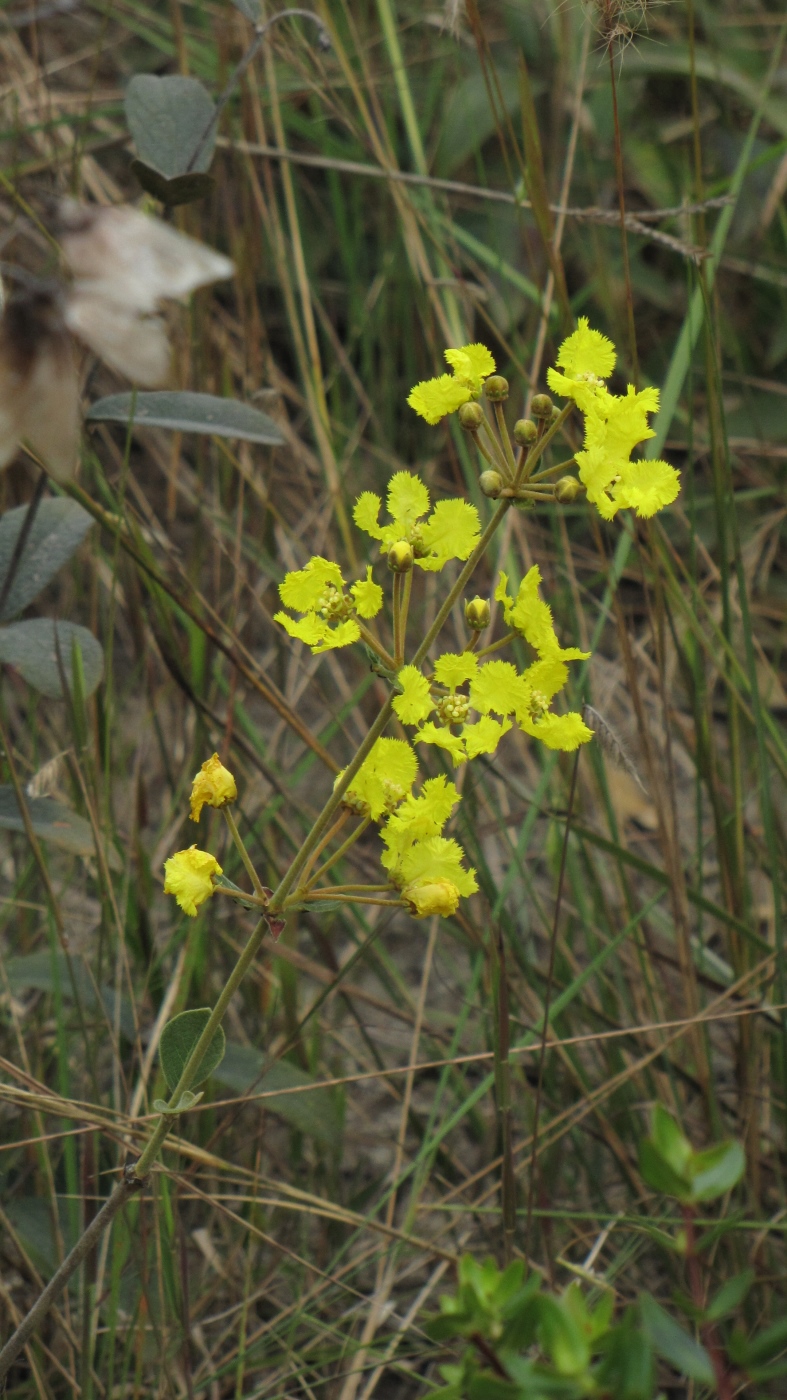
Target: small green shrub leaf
[(58, 528), (716, 1171), (168, 118), (673, 1345), (178, 1039), (41, 650), (659, 1175), (185, 412), (669, 1140), (730, 1296)]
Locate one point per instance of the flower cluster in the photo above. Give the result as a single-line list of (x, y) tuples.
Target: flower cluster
[(331, 615), (422, 864), (614, 425), (463, 686)]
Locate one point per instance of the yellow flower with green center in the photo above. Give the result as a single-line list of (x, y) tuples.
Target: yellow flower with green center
[(214, 786), (496, 692), (434, 398), (384, 779), (331, 615), (190, 876), (450, 532)]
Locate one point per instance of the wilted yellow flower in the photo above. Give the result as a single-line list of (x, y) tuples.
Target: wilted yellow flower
[(190, 877), (213, 786)]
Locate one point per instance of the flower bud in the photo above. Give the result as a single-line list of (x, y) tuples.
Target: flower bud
[(496, 388), (525, 432), (478, 614), (471, 416), (214, 785), (400, 557), (555, 413), (541, 407), (491, 484), (567, 489)]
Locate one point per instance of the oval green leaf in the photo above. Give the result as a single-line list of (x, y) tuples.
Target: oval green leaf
[(178, 1039), (59, 527), (170, 120), (184, 412), (714, 1172), (41, 650), (673, 1345)]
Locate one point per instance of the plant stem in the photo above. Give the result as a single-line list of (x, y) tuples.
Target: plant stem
[(243, 853), (708, 1331), (537, 451), (397, 622), (505, 440), (337, 855)]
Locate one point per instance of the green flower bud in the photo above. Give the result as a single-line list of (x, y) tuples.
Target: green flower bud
[(496, 388), (471, 416), (400, 557), (491, 484), (567, 489), (541, 407), (478, 614), (555, 413), (525, 432)]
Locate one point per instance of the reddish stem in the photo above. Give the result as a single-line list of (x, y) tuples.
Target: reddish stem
[(708, 1333)]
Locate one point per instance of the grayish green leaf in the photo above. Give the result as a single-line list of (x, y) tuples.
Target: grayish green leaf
[(45, 971), (312, 1110), (58, 529), (52, 821), (178, 1039), (168, 118), (185, 412), (180, 189), (32, 648)]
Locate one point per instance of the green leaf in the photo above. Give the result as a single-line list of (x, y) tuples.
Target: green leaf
[(659, 1175), (32, 648), (168, 118), (670, 1142), (52, 821), (46, 971), (730, 1296), (185, 412), (673, 1344), (716, 1171), (762, 1348), (58, 528), (313, 1111), (178, 1039), (562, 1338), (186, 1101)]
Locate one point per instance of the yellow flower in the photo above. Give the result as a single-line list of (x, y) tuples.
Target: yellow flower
[(214, 785), (190, 876), (588, 358), (318, 591), (432, 878), (434, 398), (383, 780), (450, 532)]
